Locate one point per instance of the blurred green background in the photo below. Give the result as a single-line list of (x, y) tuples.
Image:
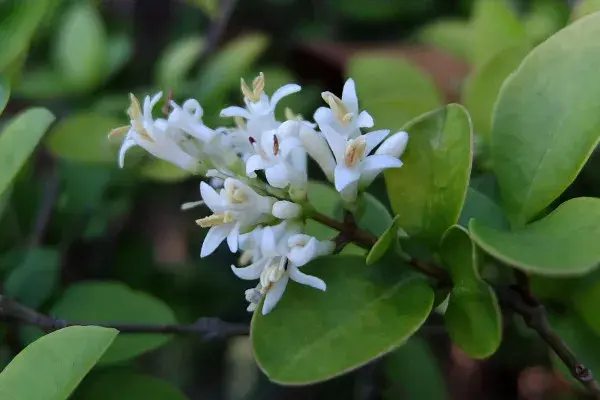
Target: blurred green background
[(82, 239)]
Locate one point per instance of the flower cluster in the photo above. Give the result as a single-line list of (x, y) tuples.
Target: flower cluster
[(259, 206)]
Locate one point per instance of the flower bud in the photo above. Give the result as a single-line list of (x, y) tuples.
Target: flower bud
[(316, 146), (286, 210), (394, 145)]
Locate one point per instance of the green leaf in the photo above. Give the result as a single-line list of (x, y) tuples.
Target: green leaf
[(544, 130), (177, 61), (482, 208), (585, 302), (4, 92), (312, 336), (452, 35), (495, 27), (34, 280), (481, 89), (19, 139), (115, 302), (115, 385), (42, 83), (83, 138), (585, 7), (385, 240), (162, 171), (118, 52), (472, 318), (408, 367), (80, 52), (539, 248), (222, 72), (57, 363), (405, 93), (375, 217), (545, 18), (428, 192)]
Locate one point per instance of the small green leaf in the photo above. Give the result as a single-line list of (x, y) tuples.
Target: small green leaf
[(481, 89), (405, 93), (116, 385), (4, 92), (80, 52), (222, 72), (83, 138), (385, 240), (18, 141), (472, 317), (495, 27), (313, 336), (539, 248), (452, 35), (428, 192), (115, 302), (56, 362), (482, 208), (177, 61), (33, 281), (544, 130)]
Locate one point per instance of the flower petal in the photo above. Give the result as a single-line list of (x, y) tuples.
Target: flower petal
[(374, 138), (336, 141), (365, 120), (345, 176), (316, 146), (235, 111), (268, 244), (277, 176), (323, 116), (210, 197), (214, 238), (349, 96), (274, 294), (305, 279), (232, 238), (379, 162), (127, 144), (283, 91), (250, 272), (254, 163)]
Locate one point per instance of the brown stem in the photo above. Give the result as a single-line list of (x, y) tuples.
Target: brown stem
[(352, 233)]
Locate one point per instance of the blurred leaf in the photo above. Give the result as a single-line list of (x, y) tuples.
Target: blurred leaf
[(559, 289), (19, 139), (118, 52), (17, 29), (495, 27), (379, 10), (80, 52), (115, 302), (545, 18), (43, 83), (177, 60), (483, 209), (452, 35), (159, 170), (4, 92), (83, 137), (312, 336), (483, 85), (585, 302), (544, 130), (209, 7), (116, 385), (539, 247), (34, 280), (472, 317), (385, 240), (83, 186), (404, 93), (111, 104), (99, 221), (59, 361), (222, 72), (409, 367), (583, 8), (429, 191), (375, 216)]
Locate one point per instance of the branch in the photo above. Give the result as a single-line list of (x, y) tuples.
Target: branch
[(208, 328), (351, 232)]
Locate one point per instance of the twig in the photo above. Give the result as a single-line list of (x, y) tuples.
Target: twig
[(349, 229), (208, 328)]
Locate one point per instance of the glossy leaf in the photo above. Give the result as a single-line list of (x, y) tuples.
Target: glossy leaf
[(82, 138), (544, 130), (428, 192), (495, 27), (472, 318), (452, 35), (115, 302), (312, 336), (384, 241), (177, 61), (540, 247), (116, 385), (4, 92), (404, 93), (481, 89), (56, 362), (482, 208), (19, 139), (80, 52)]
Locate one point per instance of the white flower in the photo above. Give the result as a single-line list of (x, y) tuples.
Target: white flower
[(353, 159), (343, 114), (260, 109), (156, 136), (316, 146), (284, 209), (236, 207), (393, 146), (281, 259)]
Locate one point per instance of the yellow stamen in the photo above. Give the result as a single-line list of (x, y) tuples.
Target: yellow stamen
[(355, 151), (340, 111), (236, 196), (119, 131), (246, 91), (135, 114), (215, 220), (240, 123), (245, 258), (258, 86)]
